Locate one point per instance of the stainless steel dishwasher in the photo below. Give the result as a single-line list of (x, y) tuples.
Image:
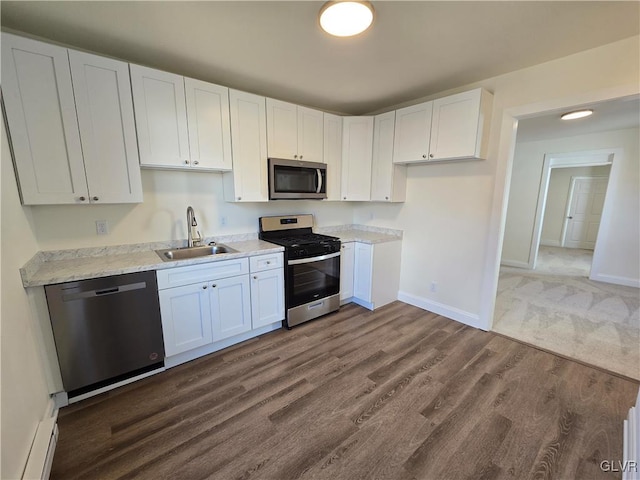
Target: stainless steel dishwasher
[(106, 329)]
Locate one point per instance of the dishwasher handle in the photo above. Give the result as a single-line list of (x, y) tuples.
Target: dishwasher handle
[(104, 291)]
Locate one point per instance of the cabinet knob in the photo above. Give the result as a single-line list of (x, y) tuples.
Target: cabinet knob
[(255, 277), (344, 198), (268, 262), (295, 156), (386, 198), (300, 157), (186, 162), (82, 199), (213, 286), (204, 287), (424, 155), (196, 162), (431, 155), (239, 198), (95, 199)]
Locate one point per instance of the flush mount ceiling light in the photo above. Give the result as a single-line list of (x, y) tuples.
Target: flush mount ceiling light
[(576, 114), (346, 18)]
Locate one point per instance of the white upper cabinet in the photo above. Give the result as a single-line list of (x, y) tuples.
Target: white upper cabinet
[(248, 181), (333, 154), (357, 146), (412, 133), (107, 129), (460, 126), (161, 117), (208, 122), (42, 91), (388, 181), (294, 132), (450, 128), (182, 122)]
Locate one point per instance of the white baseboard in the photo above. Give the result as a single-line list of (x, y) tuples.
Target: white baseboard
[(362, 303), (514, 263), (550, 243), (43, 447), (627, 282), (448, 311)]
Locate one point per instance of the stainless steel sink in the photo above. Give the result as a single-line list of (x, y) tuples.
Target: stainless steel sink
[(193, 252)]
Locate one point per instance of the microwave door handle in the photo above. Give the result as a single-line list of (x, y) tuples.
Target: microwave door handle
[(319, 180)]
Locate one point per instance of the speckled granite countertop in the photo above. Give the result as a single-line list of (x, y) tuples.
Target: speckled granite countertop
[(47, 268), (363, 234), (50, 267)]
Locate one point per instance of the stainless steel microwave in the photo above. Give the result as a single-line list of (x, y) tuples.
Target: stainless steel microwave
[(294, 179)]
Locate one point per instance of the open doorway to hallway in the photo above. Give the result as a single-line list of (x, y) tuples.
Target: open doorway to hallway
[(551, 291), (571, 221)]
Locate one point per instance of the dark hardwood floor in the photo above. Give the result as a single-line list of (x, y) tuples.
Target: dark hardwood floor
[(398, 393)]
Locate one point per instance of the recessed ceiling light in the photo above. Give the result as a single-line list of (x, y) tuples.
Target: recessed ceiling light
[(346, 18), (576, 114)]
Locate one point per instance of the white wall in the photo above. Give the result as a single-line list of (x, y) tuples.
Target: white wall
[(557, 197), (525, 185), (452, 217), (162, 215), (24, 391)]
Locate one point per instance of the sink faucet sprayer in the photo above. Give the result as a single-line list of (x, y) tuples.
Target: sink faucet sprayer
[(191, 224)]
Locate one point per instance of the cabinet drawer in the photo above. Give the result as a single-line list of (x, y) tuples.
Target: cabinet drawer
[(175, 277), (260, 263)]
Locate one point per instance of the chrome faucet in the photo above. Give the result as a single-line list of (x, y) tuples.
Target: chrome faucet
[(191, 223)]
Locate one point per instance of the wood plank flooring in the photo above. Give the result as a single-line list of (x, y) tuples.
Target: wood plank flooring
[(398, 393)]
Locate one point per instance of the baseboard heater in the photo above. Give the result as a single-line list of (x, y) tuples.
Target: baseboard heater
[(42, 450), (630, 465)]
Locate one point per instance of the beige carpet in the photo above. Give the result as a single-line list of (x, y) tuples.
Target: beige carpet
[(593, 322), (564, 261)]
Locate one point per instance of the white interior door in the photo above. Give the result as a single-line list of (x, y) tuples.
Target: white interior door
[(586, 199)]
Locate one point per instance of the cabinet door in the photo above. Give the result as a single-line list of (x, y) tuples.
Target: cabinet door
[(362, 271), (41, 116), (208, 122), (161, 117), (310, 134), (388, 181), (186, 318), (230, 306), (346, 270), (102, 92), (282, 129), (455, 126), (412, 133), (333, 154), (267, 297), (248, 181), (357, 145)]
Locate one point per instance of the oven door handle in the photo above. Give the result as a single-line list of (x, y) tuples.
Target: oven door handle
[(314, 259), (319, 180)]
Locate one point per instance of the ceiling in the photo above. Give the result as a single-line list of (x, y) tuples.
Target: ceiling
[(277, 49), (612, 115)]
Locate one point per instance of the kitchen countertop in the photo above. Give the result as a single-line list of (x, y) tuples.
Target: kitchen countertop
[(362, 234), (47, 268)]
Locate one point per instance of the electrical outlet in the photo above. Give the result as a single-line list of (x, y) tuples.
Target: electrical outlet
[(434, 286), (223, 221), (102, 227)]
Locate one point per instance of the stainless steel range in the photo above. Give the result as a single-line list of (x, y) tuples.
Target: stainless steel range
[(312, 274)]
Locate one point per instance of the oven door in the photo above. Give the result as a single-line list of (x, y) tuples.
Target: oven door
[(310, 279), (292, 179)]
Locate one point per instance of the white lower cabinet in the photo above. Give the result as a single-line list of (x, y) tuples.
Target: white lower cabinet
[(267, 297), (346, 271), (374, 270), (186, 318), (210, 306), (267, 289), (230, 306)]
